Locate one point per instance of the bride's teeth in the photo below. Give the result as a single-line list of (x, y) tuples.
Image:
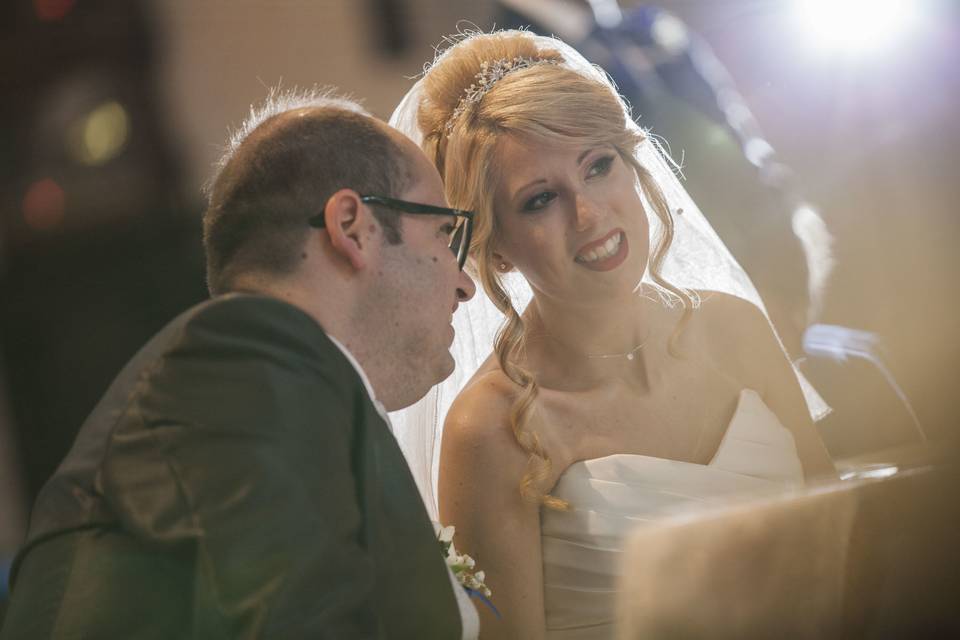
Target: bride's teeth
[(606, 250)]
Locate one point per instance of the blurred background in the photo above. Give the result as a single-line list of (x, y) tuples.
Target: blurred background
[(820, 138)]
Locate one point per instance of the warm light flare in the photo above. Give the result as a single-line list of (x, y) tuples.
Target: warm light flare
[(43, 205), (100, 135), (854, 25), (52, 10)]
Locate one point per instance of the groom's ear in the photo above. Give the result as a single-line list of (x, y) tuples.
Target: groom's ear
[(352, 228)]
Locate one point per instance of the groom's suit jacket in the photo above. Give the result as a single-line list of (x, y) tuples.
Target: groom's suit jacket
[(236, 481)]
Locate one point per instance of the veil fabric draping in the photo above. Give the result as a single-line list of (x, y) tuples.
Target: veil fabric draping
[(697, 259)]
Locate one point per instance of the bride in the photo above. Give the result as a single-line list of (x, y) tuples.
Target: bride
[(641, 378)]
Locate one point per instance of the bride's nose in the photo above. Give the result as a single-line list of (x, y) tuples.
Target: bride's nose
[(586, 212)]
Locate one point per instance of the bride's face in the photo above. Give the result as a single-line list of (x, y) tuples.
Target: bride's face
[(571, 220)]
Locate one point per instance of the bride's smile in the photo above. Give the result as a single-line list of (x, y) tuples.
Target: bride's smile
[(604, 254)]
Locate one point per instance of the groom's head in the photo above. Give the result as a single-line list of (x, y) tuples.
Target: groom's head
[(280, 168), (290, 214)]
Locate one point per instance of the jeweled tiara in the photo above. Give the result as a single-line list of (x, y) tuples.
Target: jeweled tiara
[(490, 73)]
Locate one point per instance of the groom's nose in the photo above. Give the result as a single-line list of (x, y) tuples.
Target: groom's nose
[(466, 288)]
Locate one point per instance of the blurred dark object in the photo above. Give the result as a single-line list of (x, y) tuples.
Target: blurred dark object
[(100, 247), (390, 27), (74, 312), (82, 139)]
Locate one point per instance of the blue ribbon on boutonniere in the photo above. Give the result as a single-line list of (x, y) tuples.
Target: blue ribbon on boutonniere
[(473, 593)]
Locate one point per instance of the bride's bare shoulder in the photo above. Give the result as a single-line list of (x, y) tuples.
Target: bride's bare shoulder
[(486, 400), (729, 320), (738, 337), (479, 417)]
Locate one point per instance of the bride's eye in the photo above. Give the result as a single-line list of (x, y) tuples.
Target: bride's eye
[(601, 166), (539, 201)]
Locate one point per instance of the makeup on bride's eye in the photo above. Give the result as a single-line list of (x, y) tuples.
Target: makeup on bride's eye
[(601, 166), (535, 200), (538, 201), (598, 167)]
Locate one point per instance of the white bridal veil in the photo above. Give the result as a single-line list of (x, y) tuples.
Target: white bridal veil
[(697, 259)]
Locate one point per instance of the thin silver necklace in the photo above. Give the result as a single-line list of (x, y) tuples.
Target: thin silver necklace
[(628, 355)]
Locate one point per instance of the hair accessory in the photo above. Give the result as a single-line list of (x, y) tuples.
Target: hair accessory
[(490, 73)]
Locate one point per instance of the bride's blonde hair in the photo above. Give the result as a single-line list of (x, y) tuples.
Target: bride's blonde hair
[(544, 104)]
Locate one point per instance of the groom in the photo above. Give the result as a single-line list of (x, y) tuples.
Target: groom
[(239, 478)]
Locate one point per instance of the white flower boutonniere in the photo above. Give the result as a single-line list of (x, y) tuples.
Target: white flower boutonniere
[(463, 566)]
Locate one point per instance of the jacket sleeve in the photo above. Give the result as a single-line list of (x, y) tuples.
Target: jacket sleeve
[(243, 444)]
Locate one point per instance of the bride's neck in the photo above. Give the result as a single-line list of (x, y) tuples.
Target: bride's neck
[(594, 341), (615, 326)]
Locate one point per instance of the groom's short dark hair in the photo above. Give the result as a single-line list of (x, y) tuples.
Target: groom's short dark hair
[(279, 171)]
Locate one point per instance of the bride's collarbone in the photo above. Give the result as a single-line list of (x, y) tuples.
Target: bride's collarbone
[(679, 381), (680, 419)]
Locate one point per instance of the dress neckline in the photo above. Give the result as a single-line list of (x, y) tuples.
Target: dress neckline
[(737, 413)]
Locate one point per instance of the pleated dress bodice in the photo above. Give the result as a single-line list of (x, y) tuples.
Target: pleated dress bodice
[(610, 496)]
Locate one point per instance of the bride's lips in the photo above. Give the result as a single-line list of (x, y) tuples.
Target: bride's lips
[(606, 263)]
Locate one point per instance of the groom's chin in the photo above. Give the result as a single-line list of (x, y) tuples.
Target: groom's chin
[(414, 392), (443, 368), (448, 367)]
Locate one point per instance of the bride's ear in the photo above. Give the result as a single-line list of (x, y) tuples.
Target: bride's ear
[(501, 264)]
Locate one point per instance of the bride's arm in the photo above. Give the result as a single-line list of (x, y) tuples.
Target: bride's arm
[(481, 465), (768, 370), (783, 395)]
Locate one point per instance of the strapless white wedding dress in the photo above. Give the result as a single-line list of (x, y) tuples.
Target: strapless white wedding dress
[(610, 496)]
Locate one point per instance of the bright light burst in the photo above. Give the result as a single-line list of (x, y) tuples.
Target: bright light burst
[(854, 25)]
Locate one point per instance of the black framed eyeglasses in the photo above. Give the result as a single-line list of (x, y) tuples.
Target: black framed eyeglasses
[(459, 236)]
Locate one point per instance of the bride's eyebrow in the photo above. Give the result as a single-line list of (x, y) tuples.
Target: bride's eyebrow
[(580, 158), (519, 190), (589, 150)]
